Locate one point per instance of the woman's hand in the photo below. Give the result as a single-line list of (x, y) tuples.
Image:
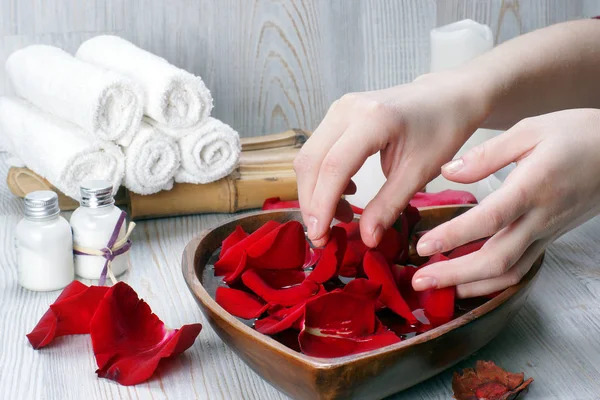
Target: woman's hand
[(554, 188), (417, 127)]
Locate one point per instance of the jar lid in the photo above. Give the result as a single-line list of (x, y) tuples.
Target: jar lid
[(41, 204), (96, 193)]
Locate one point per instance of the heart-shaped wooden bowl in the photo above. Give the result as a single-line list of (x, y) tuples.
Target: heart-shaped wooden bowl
[(371, 375)]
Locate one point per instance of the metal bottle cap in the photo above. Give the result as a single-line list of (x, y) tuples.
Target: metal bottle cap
[(41, 204), (96, 194)]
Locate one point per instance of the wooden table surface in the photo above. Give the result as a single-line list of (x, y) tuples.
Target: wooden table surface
[(555, 338)]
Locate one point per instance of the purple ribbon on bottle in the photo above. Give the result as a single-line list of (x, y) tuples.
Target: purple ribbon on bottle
[(113, 249)]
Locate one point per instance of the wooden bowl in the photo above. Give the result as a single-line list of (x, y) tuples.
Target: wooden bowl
[(371, 375)]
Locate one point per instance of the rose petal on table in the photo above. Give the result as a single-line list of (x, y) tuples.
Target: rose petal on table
[(378, 270), (70, 314), (239, 303), (285, 297), (339, 324), (443, 198), (331, 257), (237, 236), (230, 261), (488, 381), (129, 340)]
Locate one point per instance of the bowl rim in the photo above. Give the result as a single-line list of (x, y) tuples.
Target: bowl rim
[(202, 295)]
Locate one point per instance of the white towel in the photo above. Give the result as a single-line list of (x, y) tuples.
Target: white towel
[(57, 150), (173, 97), (104, 103), (151, 161), (209, 154)]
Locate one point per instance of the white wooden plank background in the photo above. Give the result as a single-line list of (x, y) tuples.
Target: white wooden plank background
[(273, 65)]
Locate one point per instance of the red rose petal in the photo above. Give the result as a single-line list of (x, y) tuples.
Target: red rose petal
[(356, 210), (230, 261), (443, 198), (438, 304), (331, 258), (275, 203), (129, 340), (280, 320), (363, 288), (355, 250), (378, 270), (237, 236), (412, 216), (403, 277), (239, 303), (285, 297), (339, 324), (312, 256), (70, 314), (282, 278), (467, 248), (282, 248), (393, 245)]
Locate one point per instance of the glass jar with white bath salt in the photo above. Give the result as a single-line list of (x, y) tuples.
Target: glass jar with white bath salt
[(100, 235), (44, 244)]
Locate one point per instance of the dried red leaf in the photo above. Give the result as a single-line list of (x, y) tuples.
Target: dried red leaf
[(285, 297), (467, 248), (331, 257), (239, 303), (443, 198), (488, 381), (229, 261), (70, 314), (339, 324), (237, 236), (129, 340), (378, 270)]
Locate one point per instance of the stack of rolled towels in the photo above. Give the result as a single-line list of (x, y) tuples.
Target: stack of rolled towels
[(115, 112)]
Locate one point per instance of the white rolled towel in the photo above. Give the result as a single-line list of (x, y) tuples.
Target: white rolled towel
[(104, 103), (151, 161), (173, 97), (209, 154), (57, 150)]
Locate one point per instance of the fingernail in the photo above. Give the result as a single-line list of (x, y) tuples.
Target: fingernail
[(454, 166), (428, 248), (377, 234), (425, 283), (312, 227)]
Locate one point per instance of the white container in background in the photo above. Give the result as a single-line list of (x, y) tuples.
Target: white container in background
[(44, 244), (93, 224), (451, 46)]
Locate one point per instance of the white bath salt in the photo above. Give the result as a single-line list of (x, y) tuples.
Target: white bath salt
[(44, 244), (94, 224)]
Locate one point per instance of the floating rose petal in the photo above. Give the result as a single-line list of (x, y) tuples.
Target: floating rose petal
[(339, 324), (467, 248), (237, 236), (438, 304), (285, 297), (363, 288), (378, 270), (355, 251), (394, 245), (312, 256), (69, 315), (282, 278), (239, 303), (403, 275), (230, 261), (488, 381), (331, 258), (129, 340), (443, 198)]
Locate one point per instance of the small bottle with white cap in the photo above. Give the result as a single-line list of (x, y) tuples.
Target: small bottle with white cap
[(99, 232), (44, 244)]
